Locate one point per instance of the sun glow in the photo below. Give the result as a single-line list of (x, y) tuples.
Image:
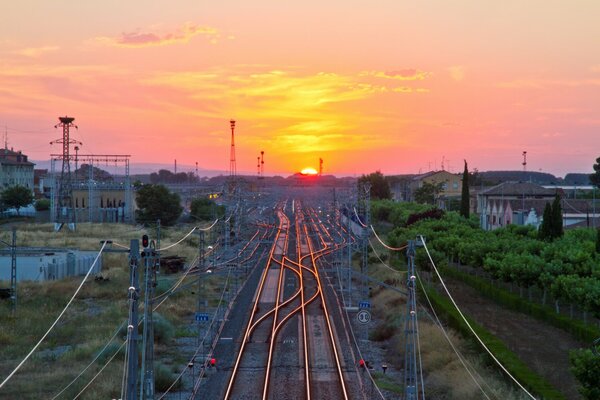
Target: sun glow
[(309, 171)]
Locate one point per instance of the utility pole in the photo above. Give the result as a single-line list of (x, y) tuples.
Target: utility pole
[(147, 372), (364, 203), (132, 330), (411, 331), (201, 288), (13, 270)]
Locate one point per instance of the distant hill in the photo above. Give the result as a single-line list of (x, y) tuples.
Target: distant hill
[(577, 179), (540, 178)]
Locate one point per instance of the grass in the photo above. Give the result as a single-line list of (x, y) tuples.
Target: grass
[(91, 320), (445, 377), (511, 362)]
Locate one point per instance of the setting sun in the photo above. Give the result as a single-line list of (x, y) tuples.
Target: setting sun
[(309, 171)]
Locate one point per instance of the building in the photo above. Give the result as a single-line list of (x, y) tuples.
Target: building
[(451, 184), (15, 169), (519, 203), (43, 264)]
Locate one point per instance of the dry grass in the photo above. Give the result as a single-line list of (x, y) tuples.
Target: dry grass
[(90, 321), (445, 377)]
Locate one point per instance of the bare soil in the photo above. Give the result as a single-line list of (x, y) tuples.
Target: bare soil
[(544, 348)]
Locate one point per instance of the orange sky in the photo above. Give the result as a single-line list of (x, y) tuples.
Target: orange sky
[(391, 85)]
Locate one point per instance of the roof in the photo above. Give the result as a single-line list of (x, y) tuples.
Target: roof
[(10, 157), (518, 189), (431, 173)]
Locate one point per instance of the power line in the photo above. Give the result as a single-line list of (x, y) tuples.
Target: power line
[(385, 245), (57, 319), (90, 364), (469, 325), (460, 358)]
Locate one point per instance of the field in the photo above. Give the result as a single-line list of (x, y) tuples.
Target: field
[(96, 315)]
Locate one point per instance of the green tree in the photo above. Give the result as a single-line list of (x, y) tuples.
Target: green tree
[(205, 209), (380, 188), (427, 193), (465, 197), (595, 177), (545, 232), (585, 365), (598, 240), (17, 197), (557, 218), (156, 202), (42, 205)]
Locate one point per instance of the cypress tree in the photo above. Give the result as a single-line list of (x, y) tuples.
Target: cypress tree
[(598, 240), (465, 196), (545, 232), (557, 218)]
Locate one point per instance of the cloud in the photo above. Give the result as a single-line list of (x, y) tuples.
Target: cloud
[(35, 51), (409, 74), (139, 38)]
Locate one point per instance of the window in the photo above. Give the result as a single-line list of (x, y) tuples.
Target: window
[(455, 185)]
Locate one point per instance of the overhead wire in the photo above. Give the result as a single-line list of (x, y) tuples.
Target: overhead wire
[(179, 241), (459, 356), (100, 371), (91, 363), (168, 293), (380, 260), (358, 219), (469, 325), (56, 320), (201, 345), (386, 245)]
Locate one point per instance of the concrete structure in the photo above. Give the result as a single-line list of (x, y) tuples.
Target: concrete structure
[(15, 169), (43, 264)]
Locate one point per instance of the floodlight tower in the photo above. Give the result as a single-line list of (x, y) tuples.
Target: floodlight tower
[(320, 167), (232, 167), (262, 163), (65, 191), (258, 166), (524, 163)]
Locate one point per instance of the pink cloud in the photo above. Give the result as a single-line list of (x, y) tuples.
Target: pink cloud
[(147, 39)]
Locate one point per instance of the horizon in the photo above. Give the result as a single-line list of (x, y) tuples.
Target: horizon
[(148, 168), (371, 91)]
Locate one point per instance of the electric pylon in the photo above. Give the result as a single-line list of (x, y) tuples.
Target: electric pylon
[(64, 213)]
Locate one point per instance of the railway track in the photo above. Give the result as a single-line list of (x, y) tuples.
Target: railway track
[(290, 348)]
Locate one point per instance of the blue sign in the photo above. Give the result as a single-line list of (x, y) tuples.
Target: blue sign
[(201, 317), (364, 304)]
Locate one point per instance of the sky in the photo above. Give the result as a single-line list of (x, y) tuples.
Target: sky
[(391, 85)]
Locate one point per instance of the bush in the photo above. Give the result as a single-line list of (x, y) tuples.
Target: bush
[(585, 365), (163, 329), (163, 378), (42, 205)]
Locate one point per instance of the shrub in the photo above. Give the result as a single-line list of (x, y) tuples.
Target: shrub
[(585, 365), (42, 205)]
